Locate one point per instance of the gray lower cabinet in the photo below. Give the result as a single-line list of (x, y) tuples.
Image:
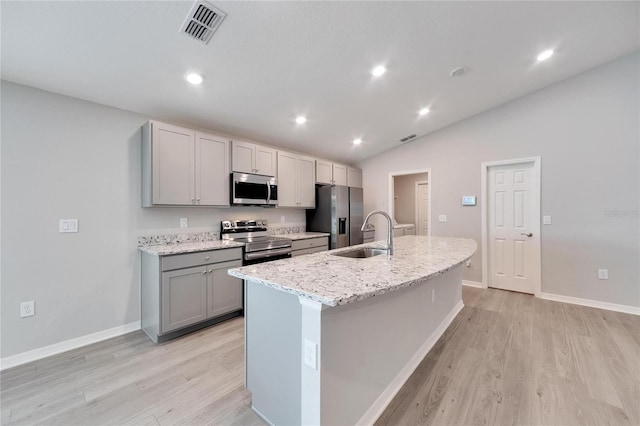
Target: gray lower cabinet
[(180, 292), (309, 245)]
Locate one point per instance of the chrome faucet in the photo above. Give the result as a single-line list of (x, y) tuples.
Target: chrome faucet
[(390, 229)]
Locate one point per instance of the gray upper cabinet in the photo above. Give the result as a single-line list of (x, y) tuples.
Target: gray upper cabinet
[(183, 167), (296, 180), (354, 177), (248, 157), (328, 173)]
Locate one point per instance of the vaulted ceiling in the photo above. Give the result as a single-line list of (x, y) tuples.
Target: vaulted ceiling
[(270, 62)]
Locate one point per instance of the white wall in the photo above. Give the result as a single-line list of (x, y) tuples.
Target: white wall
[(67, 158), (587, 131)]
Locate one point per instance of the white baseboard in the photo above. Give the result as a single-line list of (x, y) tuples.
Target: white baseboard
[(476, 284), (627, 309), (67, 345), (385, 398)]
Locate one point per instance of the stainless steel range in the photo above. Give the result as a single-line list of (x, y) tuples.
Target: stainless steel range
[(259, 245)]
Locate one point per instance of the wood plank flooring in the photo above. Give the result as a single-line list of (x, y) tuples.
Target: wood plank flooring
[(511, 359), (194, 380), (506, 359)]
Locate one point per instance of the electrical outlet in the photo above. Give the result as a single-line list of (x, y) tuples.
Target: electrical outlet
[(468, 264), (546, 220), (603, 274), (433, 295), (281, 219), (68, 225), (27, 309), (311, 354), (184, 222), (442, 218)]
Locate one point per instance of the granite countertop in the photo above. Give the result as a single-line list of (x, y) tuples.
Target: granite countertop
[(304, 235), (333, 280), (188, 247)]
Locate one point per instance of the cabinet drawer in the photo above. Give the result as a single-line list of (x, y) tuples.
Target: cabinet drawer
[(308, 251), (311, 242), (178, 261)]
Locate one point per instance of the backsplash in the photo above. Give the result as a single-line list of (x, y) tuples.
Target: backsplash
[(178, 238), (283, 230)]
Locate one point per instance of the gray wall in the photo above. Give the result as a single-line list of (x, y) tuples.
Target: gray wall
[(67, 158), (586, 129), (404, 194)]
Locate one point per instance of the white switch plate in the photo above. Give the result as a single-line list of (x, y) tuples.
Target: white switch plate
[(546, 220), (68, 225), (311, 354), (442, 218), (281, 219), (184, 222), (603, 274), (27, 309)]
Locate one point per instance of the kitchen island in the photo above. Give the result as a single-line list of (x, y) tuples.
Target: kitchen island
[(331, 339)]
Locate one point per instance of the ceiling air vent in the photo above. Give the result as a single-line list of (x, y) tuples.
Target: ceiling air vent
[(203, 20), (407, 138)]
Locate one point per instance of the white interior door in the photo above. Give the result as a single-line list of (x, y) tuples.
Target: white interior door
[(512, 218), (422, 207)]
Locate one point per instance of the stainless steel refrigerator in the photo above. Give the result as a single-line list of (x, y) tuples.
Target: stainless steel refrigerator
[(338, 212)]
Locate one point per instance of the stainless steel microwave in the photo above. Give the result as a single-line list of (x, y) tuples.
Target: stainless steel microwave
[(253, 190)]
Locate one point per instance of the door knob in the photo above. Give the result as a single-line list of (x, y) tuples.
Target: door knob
[(527, 235)]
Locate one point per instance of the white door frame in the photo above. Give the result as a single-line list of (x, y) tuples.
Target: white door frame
[(410, 172), (537, 275), (417, 187)]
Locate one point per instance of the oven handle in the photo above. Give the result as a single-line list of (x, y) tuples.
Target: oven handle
[(268, 192), (270, 253)]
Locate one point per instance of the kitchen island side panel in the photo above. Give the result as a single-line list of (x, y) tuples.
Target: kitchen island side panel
[(366, 345), (273, 336)]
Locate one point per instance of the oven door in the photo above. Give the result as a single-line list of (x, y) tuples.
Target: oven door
[(253, 190), (266, 256)]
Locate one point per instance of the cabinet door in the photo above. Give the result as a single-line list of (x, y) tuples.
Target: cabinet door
[(339, 174), (242, 157), (265, 161), (224, 292), (287, 179), (354, 177), (324, 173), (306, 182), (184, 298), (212, 170), (173, 163)]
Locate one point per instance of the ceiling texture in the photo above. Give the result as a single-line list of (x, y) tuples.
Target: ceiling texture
[(272, 61)]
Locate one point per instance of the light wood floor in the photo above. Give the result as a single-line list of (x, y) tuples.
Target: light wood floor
[(507, 359), (512, 359), (194, 380)]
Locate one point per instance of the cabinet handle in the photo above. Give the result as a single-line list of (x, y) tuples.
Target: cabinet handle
[(257, 170), (207, 258), (210, 270), (204, 272)]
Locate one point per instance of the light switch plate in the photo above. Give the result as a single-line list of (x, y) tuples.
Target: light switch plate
[(184, 222), (442, 218), (68, 225), (603, 274), (546, 220)]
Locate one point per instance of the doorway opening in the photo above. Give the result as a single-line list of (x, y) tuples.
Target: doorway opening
[(410, 202), (511, 225)]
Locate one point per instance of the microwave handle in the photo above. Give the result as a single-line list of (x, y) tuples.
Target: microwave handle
[(268, 193)]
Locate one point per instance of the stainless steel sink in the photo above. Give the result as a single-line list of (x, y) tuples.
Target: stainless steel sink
[(362, 253)]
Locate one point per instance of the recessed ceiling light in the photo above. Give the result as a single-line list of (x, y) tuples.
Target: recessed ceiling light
[(378, 71), (357, 141), (424, 111), (301, 120), (194, 78), (545, 55)]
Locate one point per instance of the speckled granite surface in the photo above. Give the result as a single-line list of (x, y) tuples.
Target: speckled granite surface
[(188, 247), (334, 280), (305, 235)]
